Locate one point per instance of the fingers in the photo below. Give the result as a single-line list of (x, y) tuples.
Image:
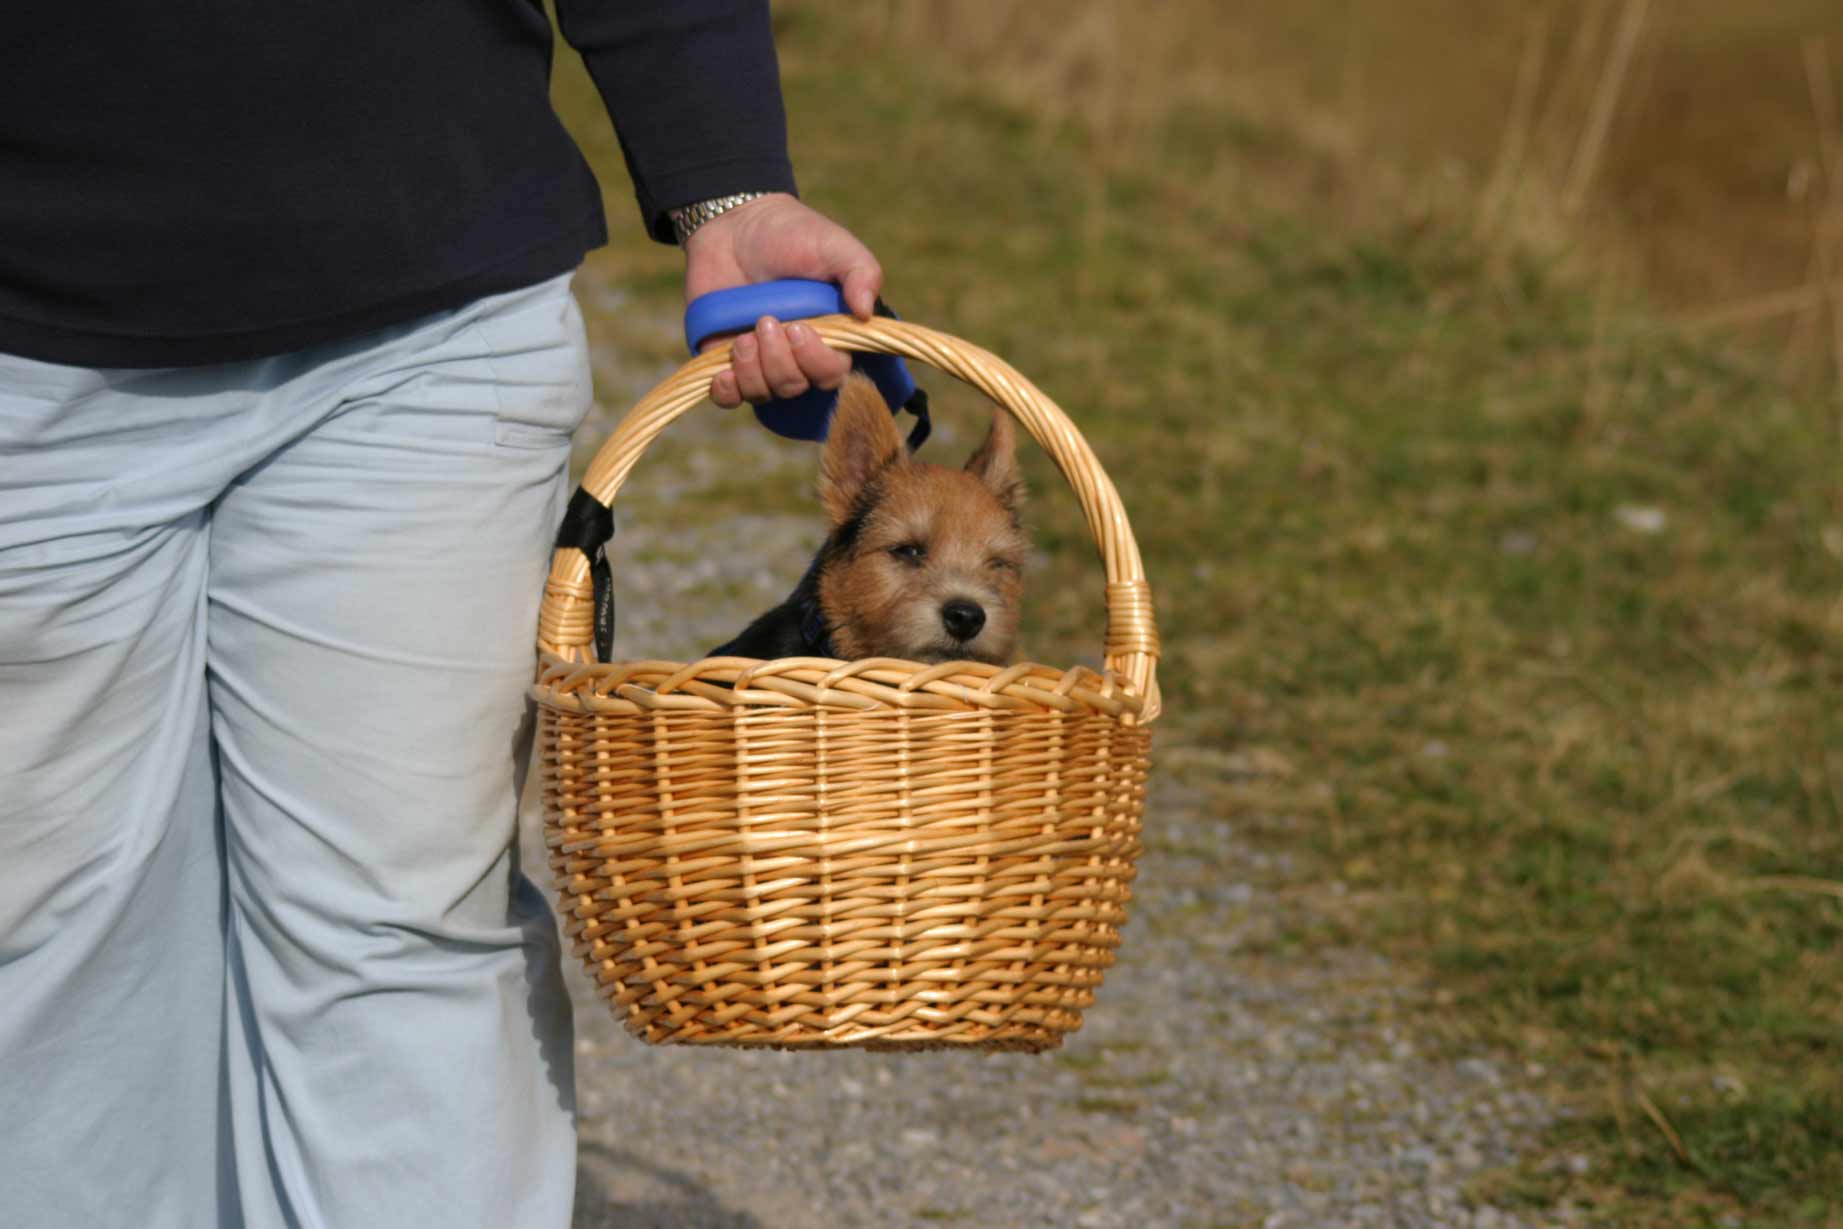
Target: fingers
[(777, 361), (823, 366), (780, 370), (745, 370), (723, 389)]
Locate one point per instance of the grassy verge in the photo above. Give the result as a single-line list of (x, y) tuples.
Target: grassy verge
[(1527, 607)]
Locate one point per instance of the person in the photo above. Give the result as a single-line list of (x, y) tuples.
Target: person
[(288, 370)]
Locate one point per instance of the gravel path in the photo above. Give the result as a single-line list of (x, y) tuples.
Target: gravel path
[(1211, 1086)]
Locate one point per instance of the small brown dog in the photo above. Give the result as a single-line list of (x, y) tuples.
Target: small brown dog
[(923, 562)]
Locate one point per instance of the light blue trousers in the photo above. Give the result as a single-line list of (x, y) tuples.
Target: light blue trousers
[(266, 954)]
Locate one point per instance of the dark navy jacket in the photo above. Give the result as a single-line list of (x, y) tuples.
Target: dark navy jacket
[(199, 181)]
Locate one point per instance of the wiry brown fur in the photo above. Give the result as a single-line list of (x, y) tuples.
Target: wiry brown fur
[(907, 539)]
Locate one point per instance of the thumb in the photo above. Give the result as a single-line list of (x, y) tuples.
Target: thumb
[(861, 279)]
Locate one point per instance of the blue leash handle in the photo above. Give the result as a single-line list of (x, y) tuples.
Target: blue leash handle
[(807, 416)]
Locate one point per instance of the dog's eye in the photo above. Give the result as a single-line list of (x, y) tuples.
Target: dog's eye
[(910, 552), (1002, 565)]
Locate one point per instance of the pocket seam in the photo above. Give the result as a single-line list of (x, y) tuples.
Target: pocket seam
[(513, 432)]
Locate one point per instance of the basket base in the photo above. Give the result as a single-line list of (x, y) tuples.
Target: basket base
[(1015, 1045), (804, 878)]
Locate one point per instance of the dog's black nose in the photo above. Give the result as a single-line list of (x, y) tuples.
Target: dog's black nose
[(963, 618)]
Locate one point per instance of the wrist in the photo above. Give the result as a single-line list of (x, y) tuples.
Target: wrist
[(689, 220)]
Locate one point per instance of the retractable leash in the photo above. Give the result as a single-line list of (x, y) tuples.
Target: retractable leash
[(588, 525), (807, 416)]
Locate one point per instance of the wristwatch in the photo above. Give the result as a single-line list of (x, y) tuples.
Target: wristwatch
[(687, 218)]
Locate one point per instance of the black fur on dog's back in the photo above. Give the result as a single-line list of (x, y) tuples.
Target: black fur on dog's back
[(795, 628), (774, 634)]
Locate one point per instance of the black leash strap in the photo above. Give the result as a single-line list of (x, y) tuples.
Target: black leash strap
[(587, 526), (917, 404)]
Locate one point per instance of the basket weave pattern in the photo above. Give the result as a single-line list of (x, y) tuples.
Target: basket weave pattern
[(816, 853)]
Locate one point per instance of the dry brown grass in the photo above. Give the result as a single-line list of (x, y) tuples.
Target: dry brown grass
[(1682, 145)]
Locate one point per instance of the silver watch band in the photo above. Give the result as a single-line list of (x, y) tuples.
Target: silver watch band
[(687, 218)]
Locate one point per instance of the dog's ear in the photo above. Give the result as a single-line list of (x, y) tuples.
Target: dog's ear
[(995, 464), (861, 441)]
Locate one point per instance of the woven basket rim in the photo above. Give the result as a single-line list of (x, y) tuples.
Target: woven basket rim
[(719, 684)]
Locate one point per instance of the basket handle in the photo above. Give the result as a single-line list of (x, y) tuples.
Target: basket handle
[(567, 619)]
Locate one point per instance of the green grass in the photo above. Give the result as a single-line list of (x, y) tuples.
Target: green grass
[(1530, 605)]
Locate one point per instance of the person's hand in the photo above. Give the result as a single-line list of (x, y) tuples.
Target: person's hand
[(770, 237)]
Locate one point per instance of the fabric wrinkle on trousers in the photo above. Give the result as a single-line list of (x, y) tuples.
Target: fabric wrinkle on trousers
[(266, 954)]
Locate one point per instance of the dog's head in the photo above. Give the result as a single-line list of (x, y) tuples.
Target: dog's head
[(923, 562)]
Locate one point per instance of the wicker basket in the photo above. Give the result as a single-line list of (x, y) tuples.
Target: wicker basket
[(877, 853)]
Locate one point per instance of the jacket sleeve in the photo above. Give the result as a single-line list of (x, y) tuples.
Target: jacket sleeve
[(694, 90)]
